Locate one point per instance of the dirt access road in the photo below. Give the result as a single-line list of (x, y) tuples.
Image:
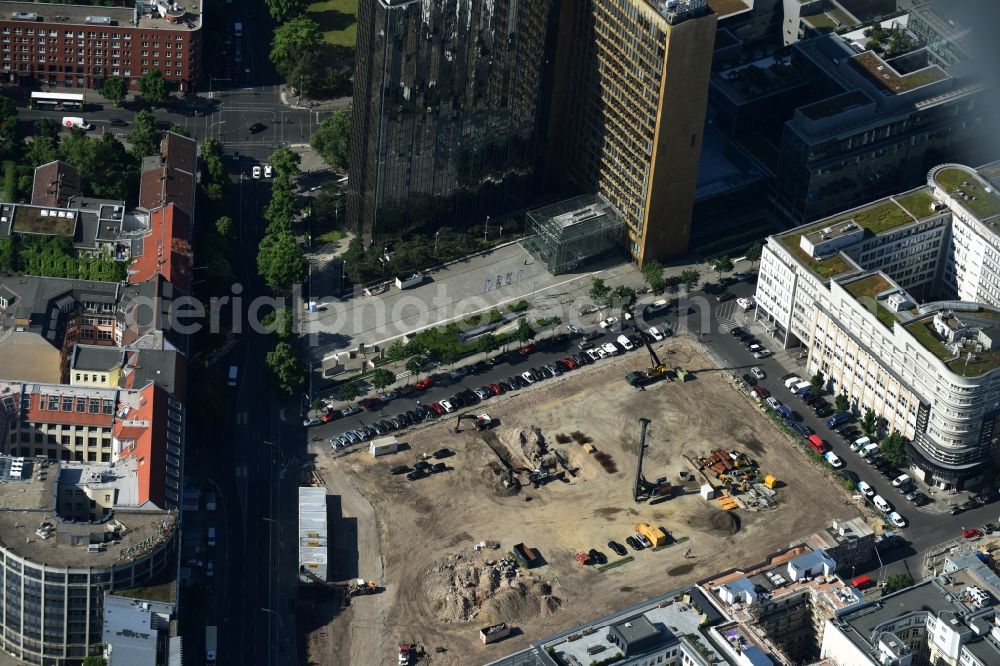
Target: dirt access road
[(438, 592)]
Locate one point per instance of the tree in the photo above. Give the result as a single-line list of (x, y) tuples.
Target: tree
[(332, 140), (286, 164), (224, 226), (652, 271), (286, 367), (869, 422), (893, 449), (754, 252), (282, 10), (690, 278), (114, 89), (154, 87), (524, 332), (600, 292), (843, 403), (396, 351), (281, 322), (624, 295), (295, 48), (280, 210), (722, 265), (382, 378), (487, 343), (414, 365), (347, 392), (280, 262), (817, 383), (900, 581), (450, 355), (143, 136), (177, 129), (95, 660)]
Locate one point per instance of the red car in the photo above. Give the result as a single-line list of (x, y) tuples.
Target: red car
[(527, 349), (423, 384), (371, 404), (326, 418), (761, 392), (570, 363), (495, 389), (972, 533), (438, 408)]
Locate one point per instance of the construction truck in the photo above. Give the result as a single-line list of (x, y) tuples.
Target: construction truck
[(657, 369), (643, 490), (482, 422), (655, 535), (407, 651), (360, 586)]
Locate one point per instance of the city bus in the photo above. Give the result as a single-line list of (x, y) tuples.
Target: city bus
[(57, 101)]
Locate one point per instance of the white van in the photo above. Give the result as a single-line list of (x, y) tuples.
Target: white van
[(881, 504), (833, 460), (211, 536), (860, 443), (73, 121), (901, 481), (792, 381), (657, 306), (869, 450), (233, 371)]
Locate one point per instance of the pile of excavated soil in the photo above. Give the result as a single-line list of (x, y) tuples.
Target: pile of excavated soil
[(528, 442), (464, 588), (494, 475), (715, 522)]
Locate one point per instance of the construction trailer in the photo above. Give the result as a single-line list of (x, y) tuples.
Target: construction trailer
[(313, 535)]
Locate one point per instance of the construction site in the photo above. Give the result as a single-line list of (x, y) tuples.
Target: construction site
[(502, 544)]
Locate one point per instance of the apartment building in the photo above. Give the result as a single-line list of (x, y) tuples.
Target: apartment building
[(950, 620), (468, 108), (81, 45), (898, 303)]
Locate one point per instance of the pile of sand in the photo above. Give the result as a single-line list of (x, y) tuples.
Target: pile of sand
[(715, 522), (463, 588), (528, 442), (495, 476)]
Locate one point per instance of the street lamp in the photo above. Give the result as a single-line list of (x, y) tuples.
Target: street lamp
[(436, 234), (487, 230)]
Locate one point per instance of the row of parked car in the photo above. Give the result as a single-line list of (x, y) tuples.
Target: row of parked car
[(423, 468), (636, 541), (752, 344)]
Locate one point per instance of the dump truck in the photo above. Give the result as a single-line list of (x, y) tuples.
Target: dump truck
[(655, 535)]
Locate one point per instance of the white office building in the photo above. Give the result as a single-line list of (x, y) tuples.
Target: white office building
[(897, 303)]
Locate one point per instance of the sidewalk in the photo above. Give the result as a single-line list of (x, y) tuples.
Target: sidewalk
[(295, 102)]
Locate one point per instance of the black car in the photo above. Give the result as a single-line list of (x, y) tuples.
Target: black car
[(635, 340), (724, 296), (737, 331), (438, 467), (413, 417), (617, 548), (379, 429), (971, 504), (890, 542), (986, 496), (442, 453), (811, 400), (117, 122), (399, 469), (632, 541), (422, 465), (396, 423), (386, 425), (256, 128), (479, 366), (749, 341), (597, 557), (420, 412), (404, 419), (468, 397), (955, 510), (848, 475), (416, 474), (581, 359), (506, 385), (749, 379)]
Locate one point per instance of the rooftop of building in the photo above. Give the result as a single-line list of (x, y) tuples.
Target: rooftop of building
[(939, 15), (129, 629), (96, 357), (865, 290), (888, 75), (672, 619), (963, 362), (840, 531), (31, 527), (758, 78), (969, 189), (723, 8), (151, 15), (831, 18)]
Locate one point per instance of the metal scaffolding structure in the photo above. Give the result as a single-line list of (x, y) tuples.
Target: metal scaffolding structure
[(568, 234)]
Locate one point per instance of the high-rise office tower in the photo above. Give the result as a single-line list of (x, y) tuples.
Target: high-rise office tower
[(634, 111), (449, 97), (463, 108)]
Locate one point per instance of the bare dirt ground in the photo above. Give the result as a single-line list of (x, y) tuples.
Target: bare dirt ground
[(427, 528)]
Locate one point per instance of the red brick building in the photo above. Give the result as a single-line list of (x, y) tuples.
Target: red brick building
[(79, 46)]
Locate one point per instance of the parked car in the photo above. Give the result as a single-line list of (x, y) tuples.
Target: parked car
[(350, 411), (972, 533), (597, 557), (848, 475), (609, 348), (896, 519), (608, 323), (617, 548), (625, 342), (866, 490), (724, 296), (483, 392), (416, 474), (737, 331), (442, 453), (758, 372), (312, 422), (437, 468), (448, 407), (527, 349), (425, 383), (528, 377), (646, 543), (773, 403), (635, 543), (399, 469)]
